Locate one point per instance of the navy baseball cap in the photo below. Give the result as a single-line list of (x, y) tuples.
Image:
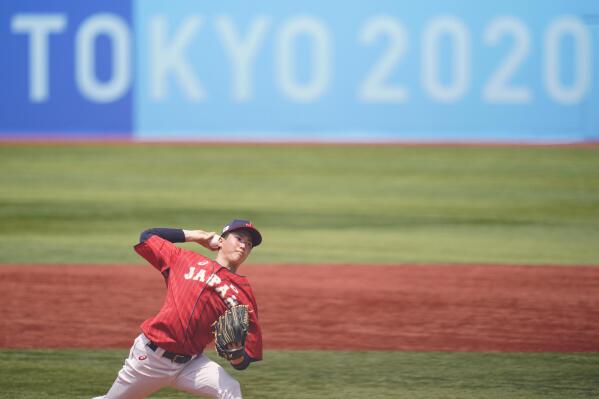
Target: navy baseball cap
[(239, 224)]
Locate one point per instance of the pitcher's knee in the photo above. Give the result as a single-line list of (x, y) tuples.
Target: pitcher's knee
[(231, 391)]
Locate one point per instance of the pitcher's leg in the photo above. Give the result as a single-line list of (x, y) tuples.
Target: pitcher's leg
[(142, 374), (205, 377)]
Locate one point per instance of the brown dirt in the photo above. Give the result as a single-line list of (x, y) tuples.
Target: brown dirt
[(419, 308)]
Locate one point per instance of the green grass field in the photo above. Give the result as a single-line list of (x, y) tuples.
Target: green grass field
[(347, 204), (35, 374), (88, 204)]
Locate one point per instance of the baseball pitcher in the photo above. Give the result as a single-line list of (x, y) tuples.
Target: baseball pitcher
[(205, 300)]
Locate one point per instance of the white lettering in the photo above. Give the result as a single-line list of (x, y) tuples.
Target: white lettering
[(242, 53), (213, 280), (200, 276), (166, 58), (560, 28), (38, 27), (118, 32), (455, 29), (222, 290), (376, 87), (231, 301), (321, 59), (499, 89), (190, 273)]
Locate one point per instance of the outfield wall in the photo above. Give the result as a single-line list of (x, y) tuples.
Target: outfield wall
[(342, 71)]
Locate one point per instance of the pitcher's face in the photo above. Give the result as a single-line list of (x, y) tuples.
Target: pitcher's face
[(236, 247)]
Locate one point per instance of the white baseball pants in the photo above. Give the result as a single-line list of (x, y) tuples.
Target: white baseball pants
[(146, 372)]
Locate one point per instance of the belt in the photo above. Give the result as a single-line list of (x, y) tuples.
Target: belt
[(170, 355)]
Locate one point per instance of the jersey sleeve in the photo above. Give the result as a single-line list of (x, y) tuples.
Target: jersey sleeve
[(159, 252), (253, 342), (236, 290)]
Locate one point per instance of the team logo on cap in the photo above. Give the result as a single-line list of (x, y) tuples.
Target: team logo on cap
[(226, 228)]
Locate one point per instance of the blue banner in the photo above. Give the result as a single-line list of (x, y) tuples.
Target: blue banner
[(354, 71), (67, 68)]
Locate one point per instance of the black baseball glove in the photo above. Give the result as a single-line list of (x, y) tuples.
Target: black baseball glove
[(230, 330)]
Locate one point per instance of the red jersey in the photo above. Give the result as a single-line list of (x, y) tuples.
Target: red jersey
[(199, 290)]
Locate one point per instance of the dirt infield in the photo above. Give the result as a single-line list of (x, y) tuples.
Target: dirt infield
[(419, 308)]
